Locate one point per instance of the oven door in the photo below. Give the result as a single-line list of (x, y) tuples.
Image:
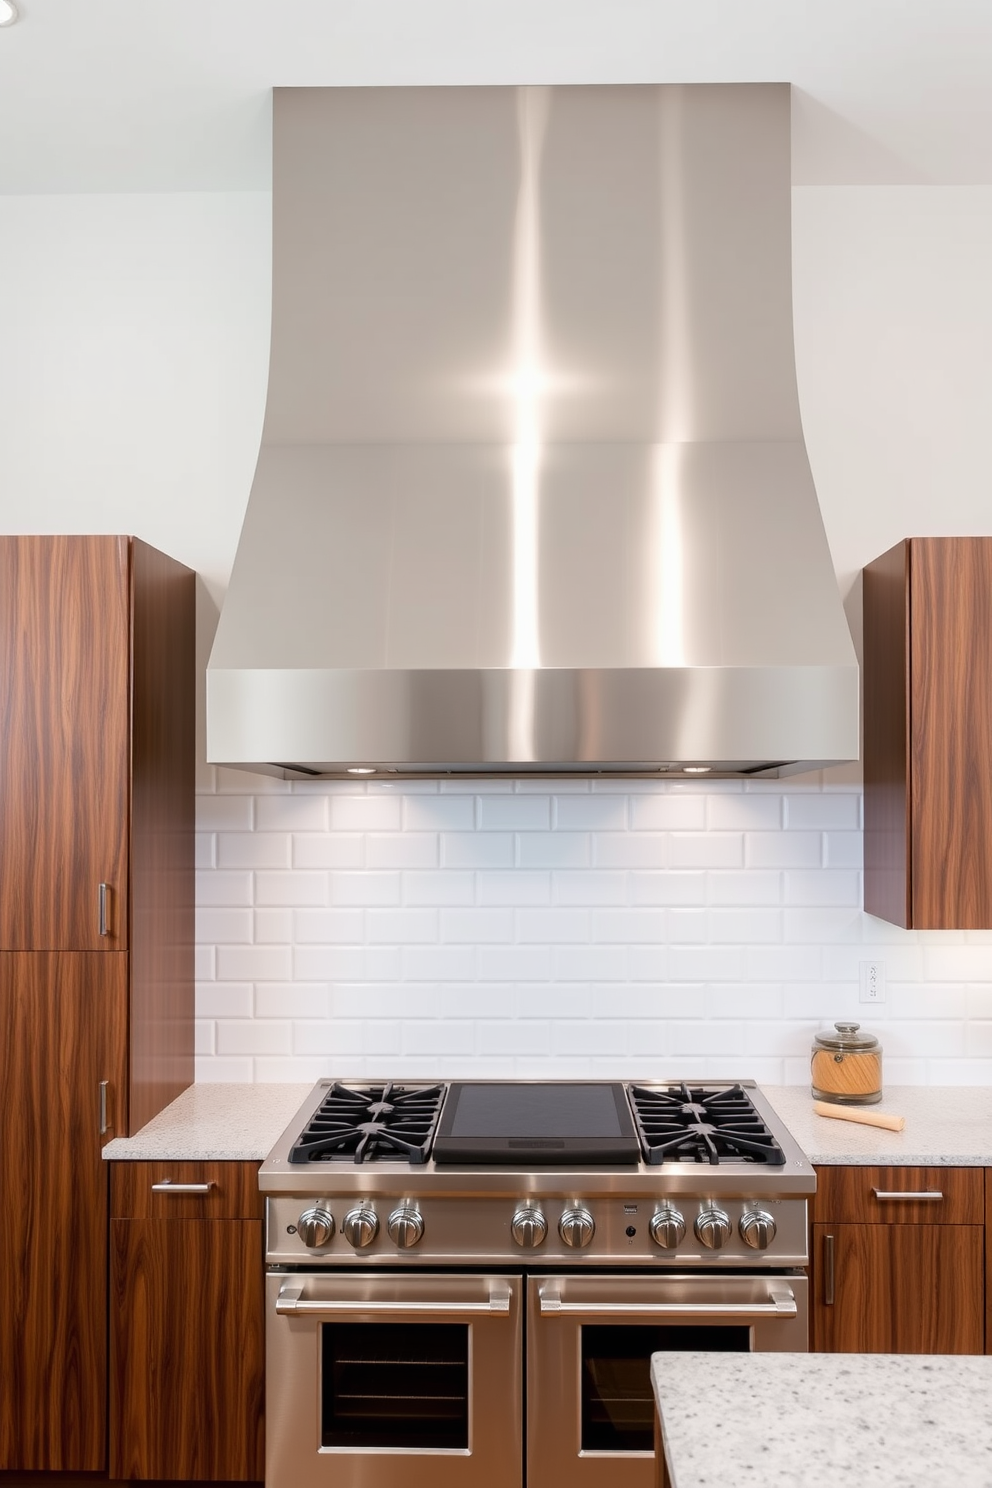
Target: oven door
[(590, 1408), (373, 1380)]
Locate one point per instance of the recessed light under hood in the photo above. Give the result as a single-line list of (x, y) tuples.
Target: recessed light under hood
[(532, 494)]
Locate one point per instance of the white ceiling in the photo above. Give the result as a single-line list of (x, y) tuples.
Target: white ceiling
[(152, 95)]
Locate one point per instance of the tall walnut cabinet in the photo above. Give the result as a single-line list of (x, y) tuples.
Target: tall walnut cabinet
[(96, 947)]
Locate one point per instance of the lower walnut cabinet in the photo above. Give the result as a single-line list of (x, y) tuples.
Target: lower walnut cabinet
[(187, 1326), (898, 1261)]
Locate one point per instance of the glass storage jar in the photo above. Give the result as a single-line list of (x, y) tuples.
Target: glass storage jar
[(846, 1066)]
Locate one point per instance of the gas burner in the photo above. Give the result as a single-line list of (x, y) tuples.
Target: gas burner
[(372, 1123), (682, 1123)]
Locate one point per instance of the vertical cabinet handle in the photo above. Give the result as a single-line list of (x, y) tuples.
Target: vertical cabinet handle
[(104, 1122), (103, 906), (828, 1270)]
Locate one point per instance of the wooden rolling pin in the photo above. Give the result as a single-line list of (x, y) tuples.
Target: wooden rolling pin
[(867, 1118)]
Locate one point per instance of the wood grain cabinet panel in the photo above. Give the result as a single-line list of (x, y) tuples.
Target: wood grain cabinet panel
[(899, 1289), (928, 734), (62, 1032), (893, 1271), (187, 1346), (64, 700), (97, 677)]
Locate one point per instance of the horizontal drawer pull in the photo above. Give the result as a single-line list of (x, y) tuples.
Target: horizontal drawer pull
[(927, 1196), (167, 1186)]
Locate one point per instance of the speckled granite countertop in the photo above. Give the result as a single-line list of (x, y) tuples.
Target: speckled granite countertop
[(237, 1123), (946, 1126), (780, 1420)]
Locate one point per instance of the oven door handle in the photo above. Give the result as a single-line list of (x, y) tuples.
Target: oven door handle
[(781, 1303), (291, 1303)]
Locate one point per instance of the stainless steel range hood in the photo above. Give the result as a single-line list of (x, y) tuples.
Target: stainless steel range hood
[(532, 494)]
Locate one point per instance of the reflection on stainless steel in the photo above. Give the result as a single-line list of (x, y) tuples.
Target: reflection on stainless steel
[(532, 492)]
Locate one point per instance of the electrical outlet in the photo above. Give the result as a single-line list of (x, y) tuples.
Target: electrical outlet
[(872, 981)]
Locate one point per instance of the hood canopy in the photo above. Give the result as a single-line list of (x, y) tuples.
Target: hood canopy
[(533, 494)]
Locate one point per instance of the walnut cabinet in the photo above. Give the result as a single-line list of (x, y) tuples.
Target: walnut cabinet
[(187, 1323), (96, 946), (928, 734), (898, 1261)]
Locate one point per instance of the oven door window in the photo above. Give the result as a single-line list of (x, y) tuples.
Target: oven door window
[(617, 1401), (394, 1385)]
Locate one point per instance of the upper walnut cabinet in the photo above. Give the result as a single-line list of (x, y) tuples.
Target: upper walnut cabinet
[(928, 734), (96, 781)]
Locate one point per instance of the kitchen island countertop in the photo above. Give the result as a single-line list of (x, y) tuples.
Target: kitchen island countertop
[(222, 1122), (947, 1126), (778, 1420)]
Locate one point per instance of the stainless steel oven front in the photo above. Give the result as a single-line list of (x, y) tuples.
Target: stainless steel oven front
[(365, 1371), (590, 1337)]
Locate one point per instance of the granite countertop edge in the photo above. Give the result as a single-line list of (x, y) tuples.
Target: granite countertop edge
[(946, 1126), (880, 1420)]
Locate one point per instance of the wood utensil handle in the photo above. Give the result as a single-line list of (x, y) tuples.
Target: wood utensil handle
[(866, 1118)]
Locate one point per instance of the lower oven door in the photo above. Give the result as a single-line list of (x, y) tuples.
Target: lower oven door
[(375, 1380), (590, 1408)]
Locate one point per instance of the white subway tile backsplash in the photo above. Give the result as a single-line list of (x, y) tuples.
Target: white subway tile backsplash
[(335, 850), (365, 813), (552, 850), (224, 813), (438, 813), (548, 926), (216, 889), (781, 850), (294, 813), (254, 963), (706, 850), (477, 849), (633, 929), (667, 813), (590, 813), (253, 849), (368, 888), (514, 813), (403, 850), (476, 926)]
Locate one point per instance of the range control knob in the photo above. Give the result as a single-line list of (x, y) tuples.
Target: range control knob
[(576, 1227), (529, 1226), (757, 1229), (315, 1227), (667, 1228), (405, 1226), (360, 1226), (712, 1228)]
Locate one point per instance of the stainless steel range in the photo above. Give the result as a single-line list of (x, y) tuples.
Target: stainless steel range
[(471, 1277)]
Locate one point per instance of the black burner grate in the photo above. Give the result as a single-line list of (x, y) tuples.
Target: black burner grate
[(693, 1123), (371, 1123)]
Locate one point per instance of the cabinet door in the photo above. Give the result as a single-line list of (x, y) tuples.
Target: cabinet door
[(899, 1289), (64, 700), (62, 1032), (187, 1349)]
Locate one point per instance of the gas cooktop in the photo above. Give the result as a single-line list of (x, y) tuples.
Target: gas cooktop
[(561, 1123)]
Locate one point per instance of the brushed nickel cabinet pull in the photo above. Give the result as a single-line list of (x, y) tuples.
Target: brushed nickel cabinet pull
[(103, 899), (828, 1270), (927, 1195), (104, 1123), (167, 1186)]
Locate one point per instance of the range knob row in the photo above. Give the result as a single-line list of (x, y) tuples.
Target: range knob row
[(405, 1226), (666, 1227)]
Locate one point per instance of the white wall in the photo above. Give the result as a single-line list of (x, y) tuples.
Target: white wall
[(698, 929)]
